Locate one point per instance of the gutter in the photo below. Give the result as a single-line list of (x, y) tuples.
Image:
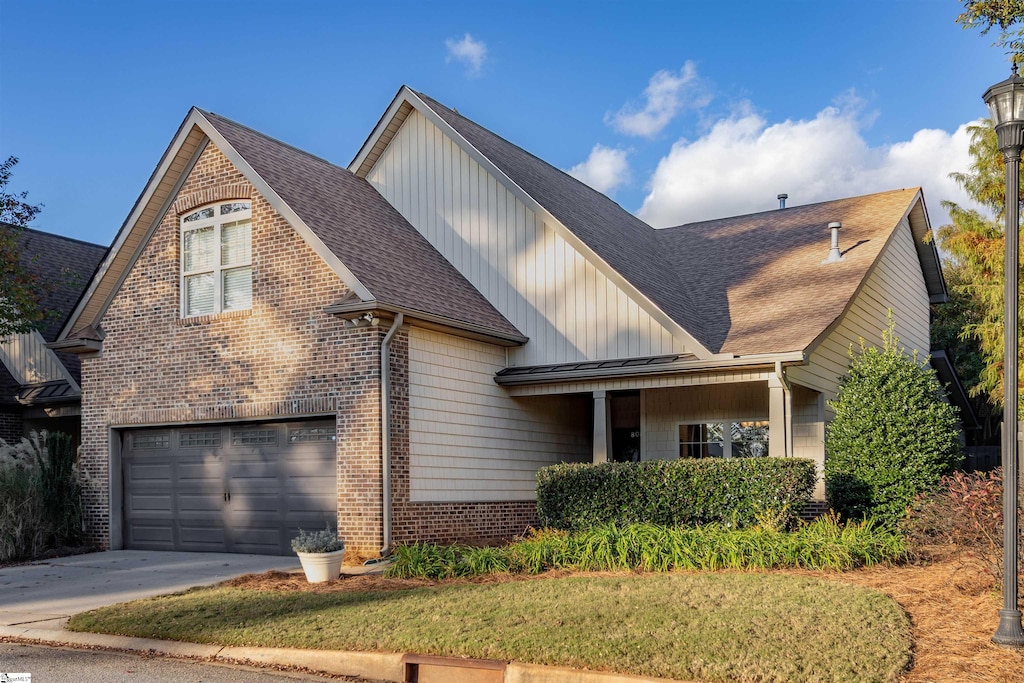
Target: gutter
[(385, 428)]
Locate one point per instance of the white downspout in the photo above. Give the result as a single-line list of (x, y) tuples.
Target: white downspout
[(787, 420), (385, 428)]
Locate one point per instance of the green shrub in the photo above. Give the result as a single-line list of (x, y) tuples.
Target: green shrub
[(823, 544), (733, 491), (893, 436), (40, 496)]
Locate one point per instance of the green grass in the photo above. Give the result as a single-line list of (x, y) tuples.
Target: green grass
[(823, 544), (713, 627)]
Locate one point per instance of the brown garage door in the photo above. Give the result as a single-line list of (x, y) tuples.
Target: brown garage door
[(241, 488)]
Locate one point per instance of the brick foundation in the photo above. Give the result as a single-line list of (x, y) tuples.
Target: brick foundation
[(10, 426)]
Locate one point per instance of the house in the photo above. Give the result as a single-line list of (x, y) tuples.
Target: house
[(39, 388), (277, 342)]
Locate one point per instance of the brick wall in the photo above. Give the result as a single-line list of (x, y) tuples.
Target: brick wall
[(10, 426), (284, 357)]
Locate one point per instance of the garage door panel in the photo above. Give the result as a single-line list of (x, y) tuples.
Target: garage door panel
[(275, 484)]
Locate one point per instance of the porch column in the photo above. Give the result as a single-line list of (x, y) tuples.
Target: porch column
[(602, 427), (777, 418)]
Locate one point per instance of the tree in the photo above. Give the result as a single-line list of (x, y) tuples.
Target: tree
[(988, 14), (973, 243), (893, 436), (20, 288)]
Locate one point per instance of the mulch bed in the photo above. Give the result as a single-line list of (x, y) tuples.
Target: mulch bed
[(952, 604)]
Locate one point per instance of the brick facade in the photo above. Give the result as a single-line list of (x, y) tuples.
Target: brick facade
[(285, 357), (10, 426)]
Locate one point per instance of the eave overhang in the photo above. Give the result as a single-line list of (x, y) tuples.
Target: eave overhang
[(428, 321), (639, 367)]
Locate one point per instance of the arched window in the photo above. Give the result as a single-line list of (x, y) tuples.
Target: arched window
[(216, 259)]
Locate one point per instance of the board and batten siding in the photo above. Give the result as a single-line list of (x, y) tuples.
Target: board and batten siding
[(896, 283), (30, 362), (540, 283), (469, 441)]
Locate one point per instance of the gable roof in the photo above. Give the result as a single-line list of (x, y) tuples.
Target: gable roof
[(382, 258), (739, 286), (620, 239), (764, 286)]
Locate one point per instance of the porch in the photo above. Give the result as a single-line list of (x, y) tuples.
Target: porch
[(729, 412)]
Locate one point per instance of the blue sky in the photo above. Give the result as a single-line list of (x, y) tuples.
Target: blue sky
[(679, 110)]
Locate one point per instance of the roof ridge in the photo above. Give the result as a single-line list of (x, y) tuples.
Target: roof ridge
[(270, 138), (53, 234), (799, 206), (531, 154)]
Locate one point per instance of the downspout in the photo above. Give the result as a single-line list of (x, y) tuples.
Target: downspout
[(787, 419), (385, 427)]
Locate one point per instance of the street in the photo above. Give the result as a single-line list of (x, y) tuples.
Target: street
[(66, 665)]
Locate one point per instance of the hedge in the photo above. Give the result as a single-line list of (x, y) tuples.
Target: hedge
[(737, 492)]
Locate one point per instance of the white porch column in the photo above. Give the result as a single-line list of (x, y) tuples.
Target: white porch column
[(602, 427), (778, 427)]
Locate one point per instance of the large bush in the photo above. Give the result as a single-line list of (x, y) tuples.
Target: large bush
[(739, 492), (40, 496), (894, 436)]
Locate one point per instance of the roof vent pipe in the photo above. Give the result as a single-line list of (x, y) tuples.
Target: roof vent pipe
[(834, 254), (782, 200)]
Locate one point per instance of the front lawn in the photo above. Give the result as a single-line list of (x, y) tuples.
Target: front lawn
[(713, 627)]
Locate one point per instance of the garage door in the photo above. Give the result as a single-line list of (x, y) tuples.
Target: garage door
[(242, 488)]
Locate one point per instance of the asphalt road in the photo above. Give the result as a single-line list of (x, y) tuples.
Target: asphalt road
[(66, 665)]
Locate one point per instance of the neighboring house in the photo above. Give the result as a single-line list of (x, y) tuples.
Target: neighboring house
[(233, 338), (39, 389)]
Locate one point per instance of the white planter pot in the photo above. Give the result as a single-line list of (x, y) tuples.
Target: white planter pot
[(321, 567)]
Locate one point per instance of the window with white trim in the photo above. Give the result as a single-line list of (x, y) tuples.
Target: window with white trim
[(216, 259), (732, 439)]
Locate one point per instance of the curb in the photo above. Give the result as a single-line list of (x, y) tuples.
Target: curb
[(377, 666)]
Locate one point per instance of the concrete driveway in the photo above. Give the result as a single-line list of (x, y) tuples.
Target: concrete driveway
[(46, 593)]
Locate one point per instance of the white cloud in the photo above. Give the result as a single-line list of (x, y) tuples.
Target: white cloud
[(742, 162), (470, 52), (665, 95), (604, 170)]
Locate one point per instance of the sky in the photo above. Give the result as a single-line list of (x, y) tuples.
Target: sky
[(680, 111)]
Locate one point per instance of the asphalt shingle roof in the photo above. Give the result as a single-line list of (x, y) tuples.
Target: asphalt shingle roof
[(387, 254), (743, 285), (763, 285), (65, 266)]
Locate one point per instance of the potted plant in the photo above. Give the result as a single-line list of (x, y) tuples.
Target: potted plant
[(320, 553)]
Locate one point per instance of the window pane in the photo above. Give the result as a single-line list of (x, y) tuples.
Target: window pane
[(749, 439), (199, 215), (701, 440), (198, 249), (237, 289), (234, 243), (199, 294), (233, 207)]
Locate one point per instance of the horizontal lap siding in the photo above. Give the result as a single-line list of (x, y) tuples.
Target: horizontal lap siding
[(548, 290), (471, 442), (896, 283), (666, 409)]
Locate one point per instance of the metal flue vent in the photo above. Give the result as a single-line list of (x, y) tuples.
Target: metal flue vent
[(834, 254)]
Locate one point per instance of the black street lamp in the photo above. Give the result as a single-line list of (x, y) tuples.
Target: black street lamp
[(1005, 102)]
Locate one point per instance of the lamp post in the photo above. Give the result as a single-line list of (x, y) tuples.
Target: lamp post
[(1005, 102)]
